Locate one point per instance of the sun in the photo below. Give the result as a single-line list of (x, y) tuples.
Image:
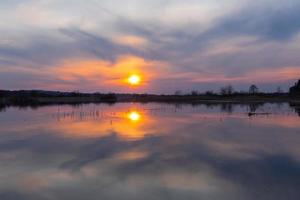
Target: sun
[(134, 79), (134, 116)]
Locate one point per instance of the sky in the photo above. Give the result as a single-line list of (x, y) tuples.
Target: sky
[(172, 44)]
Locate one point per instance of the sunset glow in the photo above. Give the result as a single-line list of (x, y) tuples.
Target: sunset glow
[(134, 116), (134, 79), (149, 99)]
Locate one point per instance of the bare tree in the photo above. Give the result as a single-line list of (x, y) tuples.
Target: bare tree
[(209, 92), (226, 90), (279, 90), (253, 89), (178, 92), (194, 93)]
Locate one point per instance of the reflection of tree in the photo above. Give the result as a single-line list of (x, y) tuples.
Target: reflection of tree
[(296, 108), (254, 106), (297, 111), (227, 107), (2, 107), (178, 106)]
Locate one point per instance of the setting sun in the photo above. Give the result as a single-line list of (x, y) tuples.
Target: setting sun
[(134, 116), (134, 79)]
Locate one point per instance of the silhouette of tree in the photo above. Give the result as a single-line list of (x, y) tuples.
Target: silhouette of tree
[(295, 90), (209, 93), (279, 90), (110, 98), (253, 89), (227, 90), (178, 92), (194, 93)]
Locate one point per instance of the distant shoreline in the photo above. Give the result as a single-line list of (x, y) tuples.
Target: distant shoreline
[(164, 99), (53, 97), (35, 99)]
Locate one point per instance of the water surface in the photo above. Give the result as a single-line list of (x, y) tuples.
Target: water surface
[(150, 151)]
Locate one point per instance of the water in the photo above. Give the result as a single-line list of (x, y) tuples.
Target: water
[(150, 152)]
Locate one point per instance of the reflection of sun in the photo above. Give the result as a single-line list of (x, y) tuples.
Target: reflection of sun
[(134, 116), (134, 79)]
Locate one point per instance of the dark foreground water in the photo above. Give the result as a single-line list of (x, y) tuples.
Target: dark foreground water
[(150, 151)]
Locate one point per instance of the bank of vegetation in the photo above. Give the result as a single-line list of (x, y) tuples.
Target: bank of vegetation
[(227, 94)]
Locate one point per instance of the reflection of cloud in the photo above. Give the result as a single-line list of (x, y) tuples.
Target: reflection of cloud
[(188, 154), (292, 122), (38, 180), (127, 126)]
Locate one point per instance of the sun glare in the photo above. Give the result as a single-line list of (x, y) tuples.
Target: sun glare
[(134, 116), (134, 79)]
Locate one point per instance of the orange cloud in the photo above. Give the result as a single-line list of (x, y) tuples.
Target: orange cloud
[(275, 75), (106, 73)]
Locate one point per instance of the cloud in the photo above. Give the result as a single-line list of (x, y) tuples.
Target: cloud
[(47, 48), (229, 39)]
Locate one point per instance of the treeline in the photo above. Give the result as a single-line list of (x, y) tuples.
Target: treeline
[(229, 90), (226, 94), (42, 93), (38, 96)]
